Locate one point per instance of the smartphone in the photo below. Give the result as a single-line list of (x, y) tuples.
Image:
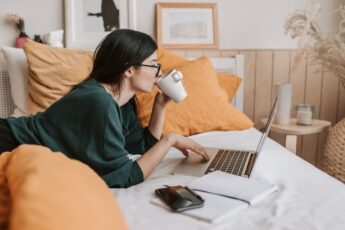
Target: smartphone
[(180, 198)]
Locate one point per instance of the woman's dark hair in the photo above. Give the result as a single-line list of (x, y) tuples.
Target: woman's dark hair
[(118, 51)]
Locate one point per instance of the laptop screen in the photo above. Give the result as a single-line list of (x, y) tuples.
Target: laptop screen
[(268, 125)]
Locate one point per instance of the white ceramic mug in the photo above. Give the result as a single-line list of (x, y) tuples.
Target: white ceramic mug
[(171, 85)]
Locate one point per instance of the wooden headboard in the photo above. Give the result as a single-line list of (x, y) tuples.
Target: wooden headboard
[(234, 65)]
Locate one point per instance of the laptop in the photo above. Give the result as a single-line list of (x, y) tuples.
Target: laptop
[(235, 161)]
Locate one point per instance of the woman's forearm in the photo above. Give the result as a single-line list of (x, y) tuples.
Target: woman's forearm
[(157, 121), (149, 161)]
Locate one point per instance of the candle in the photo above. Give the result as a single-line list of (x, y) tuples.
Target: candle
[(305, 114)]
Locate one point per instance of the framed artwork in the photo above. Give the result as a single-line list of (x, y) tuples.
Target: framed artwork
[(87, 22), (187, 25)]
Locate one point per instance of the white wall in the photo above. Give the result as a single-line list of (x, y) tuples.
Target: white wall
[(243, 24), (249, 24), (41, 16)]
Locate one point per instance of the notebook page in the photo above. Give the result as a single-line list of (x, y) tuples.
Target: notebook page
[(241, 188)]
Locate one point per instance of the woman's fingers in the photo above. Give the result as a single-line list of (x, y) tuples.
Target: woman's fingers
[(162, 98), (184, 144), (185, 152), (201, 151)]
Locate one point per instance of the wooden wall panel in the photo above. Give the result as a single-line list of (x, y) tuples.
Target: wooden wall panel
[(329, 97), (249, 83), (298, 80), (312, 96), (263, 85), (297, 77), (329, 106), (281, 73)]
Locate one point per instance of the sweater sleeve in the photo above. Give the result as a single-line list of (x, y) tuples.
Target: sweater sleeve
[(138, 139), (117, 169)]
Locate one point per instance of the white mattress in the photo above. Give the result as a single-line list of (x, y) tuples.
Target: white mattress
[(307, 199)]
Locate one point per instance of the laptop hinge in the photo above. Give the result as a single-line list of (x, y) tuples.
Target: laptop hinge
[(250, 164)]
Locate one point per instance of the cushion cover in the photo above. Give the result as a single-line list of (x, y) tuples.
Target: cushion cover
[(47, 190), (53, 72)]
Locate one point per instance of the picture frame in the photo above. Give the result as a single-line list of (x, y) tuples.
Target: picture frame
[(187, 25), (86, 24)]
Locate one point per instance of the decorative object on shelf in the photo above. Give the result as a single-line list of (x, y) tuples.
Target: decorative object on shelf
[(37, 38), (334, 155), (19, 23), (54, 38), (305, 114), (187, 25), (321, 48), (283, 91)]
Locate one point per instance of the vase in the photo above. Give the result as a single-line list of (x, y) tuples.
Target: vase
[(283, 91), (20, 41)]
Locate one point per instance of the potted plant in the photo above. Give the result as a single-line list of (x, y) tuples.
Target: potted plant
[(19, 23)]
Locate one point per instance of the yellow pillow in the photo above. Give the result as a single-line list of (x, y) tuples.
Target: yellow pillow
[(206, 108), (53, 72), (168, 59), (50, 191)]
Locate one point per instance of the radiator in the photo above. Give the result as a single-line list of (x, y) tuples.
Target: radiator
[(6, 102)]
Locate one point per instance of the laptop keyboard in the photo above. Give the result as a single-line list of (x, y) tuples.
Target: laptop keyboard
[(229, 161)]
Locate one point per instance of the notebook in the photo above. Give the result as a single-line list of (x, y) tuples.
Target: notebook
[(247, 190), (224, 195)]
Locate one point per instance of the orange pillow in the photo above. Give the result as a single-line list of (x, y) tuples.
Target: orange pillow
[(228, 82), (168, 59), (206, 108), (53, 72), (50, 191)]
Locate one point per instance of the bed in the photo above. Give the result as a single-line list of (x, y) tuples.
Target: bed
[(307, 197)]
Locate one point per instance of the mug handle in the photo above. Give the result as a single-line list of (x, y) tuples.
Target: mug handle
[(177, 76)]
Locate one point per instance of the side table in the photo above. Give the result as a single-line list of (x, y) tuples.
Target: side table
[(293, 130)]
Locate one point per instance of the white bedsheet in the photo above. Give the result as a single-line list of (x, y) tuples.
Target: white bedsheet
[(307, 199)]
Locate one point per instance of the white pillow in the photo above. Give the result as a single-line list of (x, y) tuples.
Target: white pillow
[(18, 72)]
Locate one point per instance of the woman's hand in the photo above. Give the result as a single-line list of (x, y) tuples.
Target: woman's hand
[(161, 100), (184, 144)]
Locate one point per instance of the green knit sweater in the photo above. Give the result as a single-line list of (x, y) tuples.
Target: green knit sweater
[(88, 125)]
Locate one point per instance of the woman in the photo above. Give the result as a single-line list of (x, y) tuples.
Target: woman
[(96, 122)]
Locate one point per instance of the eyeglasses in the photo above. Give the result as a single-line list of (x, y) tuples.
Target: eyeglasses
[(158, 66)]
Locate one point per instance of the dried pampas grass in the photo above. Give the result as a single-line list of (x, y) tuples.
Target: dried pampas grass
[(321, 48)]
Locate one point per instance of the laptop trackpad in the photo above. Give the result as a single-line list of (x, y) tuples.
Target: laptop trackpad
[(194, 165)]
